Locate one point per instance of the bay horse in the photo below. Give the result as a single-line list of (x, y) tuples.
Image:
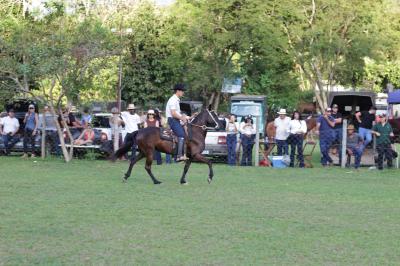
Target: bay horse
[(149, 139)]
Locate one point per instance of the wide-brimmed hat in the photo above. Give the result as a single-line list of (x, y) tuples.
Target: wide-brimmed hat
[(351, 127), (151, 112), (282, 112), (179, 87), (131, 106)]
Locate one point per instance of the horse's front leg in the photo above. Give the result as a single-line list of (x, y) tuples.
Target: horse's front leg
[(132, 163), (187, 165), (201, 158), (149, 161)]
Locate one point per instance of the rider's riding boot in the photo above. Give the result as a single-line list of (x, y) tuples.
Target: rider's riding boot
[(181, 145)]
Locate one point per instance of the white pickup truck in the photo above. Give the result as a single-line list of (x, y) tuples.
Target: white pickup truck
[(216, 143)]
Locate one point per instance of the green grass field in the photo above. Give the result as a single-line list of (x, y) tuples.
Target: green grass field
[(52, 213)]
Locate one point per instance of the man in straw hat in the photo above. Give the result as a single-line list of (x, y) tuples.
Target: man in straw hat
[(175, 117), (130, 120), (354, 145), (282, 132)]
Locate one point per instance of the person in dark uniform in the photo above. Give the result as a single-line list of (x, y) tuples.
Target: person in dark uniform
[(325, 125), (338, 130), (383, 132)]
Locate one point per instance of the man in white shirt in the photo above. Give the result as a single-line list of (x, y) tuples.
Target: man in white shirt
[(131, 121), (9, 128), (175, 117), (282, 125)]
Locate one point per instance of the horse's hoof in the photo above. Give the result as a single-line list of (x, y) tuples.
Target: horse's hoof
[(209, 180), (185, 183), (124, 180), (157, 183)]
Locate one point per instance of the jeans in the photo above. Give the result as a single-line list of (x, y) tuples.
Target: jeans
[(366, 135), (157, 157), (9, 142), (231, 142), (296, 142), (384, 150), (247, 145), (282, 146), (176, 127), (29, 137), (53, 140), (325, 142), (357, 152)]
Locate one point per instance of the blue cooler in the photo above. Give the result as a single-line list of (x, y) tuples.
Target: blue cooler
[(277, 162)]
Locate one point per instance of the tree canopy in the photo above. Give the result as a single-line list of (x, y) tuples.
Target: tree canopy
[(283, 49)]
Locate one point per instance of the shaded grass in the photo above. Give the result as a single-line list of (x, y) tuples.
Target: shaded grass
[(81, 213)]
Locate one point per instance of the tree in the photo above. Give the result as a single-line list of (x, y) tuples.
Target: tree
[(330, 46)]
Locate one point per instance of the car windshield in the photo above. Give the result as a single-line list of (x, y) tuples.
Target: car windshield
[(101, 121), (243, 110)]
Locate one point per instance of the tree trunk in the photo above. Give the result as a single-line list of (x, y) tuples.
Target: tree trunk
[(215, 104)]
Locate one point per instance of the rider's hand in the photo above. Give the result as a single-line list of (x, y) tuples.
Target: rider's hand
[(184, 119)]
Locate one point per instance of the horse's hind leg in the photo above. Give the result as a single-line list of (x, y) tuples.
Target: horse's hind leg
[(201, 158), (132, 163), (187, 165), (149, 161)]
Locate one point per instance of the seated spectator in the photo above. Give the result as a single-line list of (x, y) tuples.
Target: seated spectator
[(383, 132), (86, 117), (86, 137), (297, 129), (247, 132), (354, 145), (8, 128)]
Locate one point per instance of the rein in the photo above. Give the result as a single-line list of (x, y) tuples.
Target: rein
[(204, 127)]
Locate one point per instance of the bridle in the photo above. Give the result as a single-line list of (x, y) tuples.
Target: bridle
[(204, 127)]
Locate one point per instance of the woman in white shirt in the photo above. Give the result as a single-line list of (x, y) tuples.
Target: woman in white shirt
[(247, 132), (231, 139), (297, 129)]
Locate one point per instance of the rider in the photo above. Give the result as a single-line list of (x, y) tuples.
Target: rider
[(176, 118)]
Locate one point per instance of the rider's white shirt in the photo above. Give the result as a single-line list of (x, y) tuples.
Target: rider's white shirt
[(131, 121), (173, 104)]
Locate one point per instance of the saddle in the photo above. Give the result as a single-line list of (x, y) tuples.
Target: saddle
[(168, 135)]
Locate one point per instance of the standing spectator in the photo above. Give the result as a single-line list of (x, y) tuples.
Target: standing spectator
[(231, 139), (151, 121), (338, 129), (383, 131), (282, 125), (47, 120), (325, 125), (366, 119), (354, 145), (86, 117), (163, 123), (297, 129), (131, 121), (248, 132), (115, 122), (9, 128), (31, 122)]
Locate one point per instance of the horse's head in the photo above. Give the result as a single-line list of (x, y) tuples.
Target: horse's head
[(212, 119)]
